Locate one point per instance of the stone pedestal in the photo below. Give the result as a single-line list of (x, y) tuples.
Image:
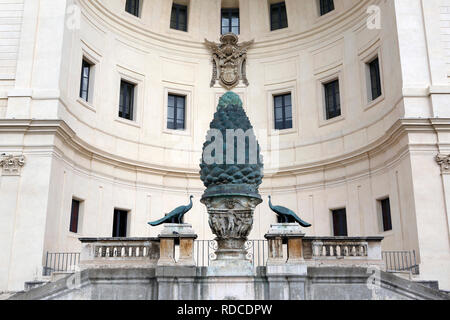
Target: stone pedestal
[(173, 234), (290, 234), (280, 268)]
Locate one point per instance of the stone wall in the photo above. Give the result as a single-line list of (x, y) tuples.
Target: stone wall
[(190, 283)]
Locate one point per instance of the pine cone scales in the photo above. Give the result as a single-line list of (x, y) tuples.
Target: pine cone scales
[(245, 177)]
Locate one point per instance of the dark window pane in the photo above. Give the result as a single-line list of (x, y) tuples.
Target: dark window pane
[(375, 81), (176, 112), (340, 223), (85, 77), (178, 19), (332, 100), (278, 16), (283, 112), (326, 6), (120, 224), (132, 7), (386, 213), (230, 20), (126, 103), (74, 216)]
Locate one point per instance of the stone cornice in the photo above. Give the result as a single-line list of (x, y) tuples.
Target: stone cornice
[(331, 27), (60, 129)]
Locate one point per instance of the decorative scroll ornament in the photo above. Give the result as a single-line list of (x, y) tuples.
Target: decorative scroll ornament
[(11, 164), (444, 162), (229, 60)]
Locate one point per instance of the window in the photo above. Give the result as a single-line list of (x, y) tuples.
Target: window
[(133, 7), (283, 111), (120, 224), (126, 103), (178, 19), (176, 111), (340, 223), (326, 6), (332, 99), (386, 214), (375, 80), (278, 16), (230, 21), (85, 79), (74, 216)]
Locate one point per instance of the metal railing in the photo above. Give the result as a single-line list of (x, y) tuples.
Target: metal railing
[(60, 262), (401, 261), (257, 252)]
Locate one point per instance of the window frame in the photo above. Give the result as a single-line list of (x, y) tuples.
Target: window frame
[(377, 79), (78, 216), (386, 226), (328, 115), (176, 96), (137, 11), (334, 213), (89, 65), (331, 73), (231, 11), (133, 99), (279, 6), (366, 55), (283, 107), (177, 7), (276, 89), (182, 90), (322, 7), (116, 223)]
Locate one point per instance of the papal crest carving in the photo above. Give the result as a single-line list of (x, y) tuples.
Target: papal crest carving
[(229, 59)]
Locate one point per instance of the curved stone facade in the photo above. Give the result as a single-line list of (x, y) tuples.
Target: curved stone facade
[(83, 150)]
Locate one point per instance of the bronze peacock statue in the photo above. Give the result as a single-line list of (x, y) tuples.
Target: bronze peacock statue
[(175, 216), (287, 215)]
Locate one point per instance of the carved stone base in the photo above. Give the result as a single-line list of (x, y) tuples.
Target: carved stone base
[(231, 220)]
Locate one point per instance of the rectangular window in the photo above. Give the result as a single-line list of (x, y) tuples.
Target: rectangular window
[(230, 21), (178, 19), (74, 216), (283, 111), (120, 224), (375, 80), (278, 16), (132, 7), (332, 99), (340, 223), (126, 103), (326, 6), (176, 112), (85, 78), (386, 214)]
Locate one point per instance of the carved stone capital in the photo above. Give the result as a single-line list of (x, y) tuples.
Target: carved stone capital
[(231, 220), (11, 165), (444, 162)]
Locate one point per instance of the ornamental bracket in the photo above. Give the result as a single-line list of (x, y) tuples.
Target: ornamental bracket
[(444, 162)]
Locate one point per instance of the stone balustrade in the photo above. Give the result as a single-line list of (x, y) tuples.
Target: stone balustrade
[(114, 252), (352, 250)]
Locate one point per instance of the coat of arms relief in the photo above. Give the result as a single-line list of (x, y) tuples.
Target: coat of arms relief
[(229, 60)]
